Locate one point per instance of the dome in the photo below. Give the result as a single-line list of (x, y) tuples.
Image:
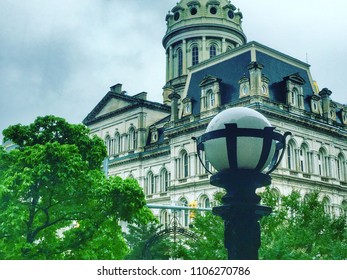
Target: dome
[(198, 30), (206, 17)]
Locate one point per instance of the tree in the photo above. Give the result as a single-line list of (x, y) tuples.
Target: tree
[(301, 229), (55, 203), (137, 238), (296, 229)]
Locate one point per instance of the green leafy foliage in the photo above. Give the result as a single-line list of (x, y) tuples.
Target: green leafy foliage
[(210, 243), (55, 203), (137, 238), (296, 230), (301, 230)]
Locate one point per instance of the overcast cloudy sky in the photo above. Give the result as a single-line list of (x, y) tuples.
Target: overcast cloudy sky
[(61, 56)]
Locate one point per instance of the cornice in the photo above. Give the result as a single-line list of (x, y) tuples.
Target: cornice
[(136, 103)]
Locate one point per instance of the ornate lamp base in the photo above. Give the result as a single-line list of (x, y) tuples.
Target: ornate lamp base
[(241, 211)]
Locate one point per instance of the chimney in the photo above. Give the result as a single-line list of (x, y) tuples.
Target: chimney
[(325, 95), (116, 89)]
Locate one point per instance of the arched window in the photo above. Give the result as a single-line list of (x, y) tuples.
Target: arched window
[(150, 183), (213, 51), (164, 180), (164, 218), (108, 144), (202, 169), (327, 205), (185, 214), (185, 165), (117, 144), (179, 62), (341, 167), (195, 55), (205, 202), (295, 99), (304, 159), (132, 143), (291, 157), (344, 208), (323, 163), (211, 99)]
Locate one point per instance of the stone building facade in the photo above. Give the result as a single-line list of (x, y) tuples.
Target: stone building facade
[(211, 67)]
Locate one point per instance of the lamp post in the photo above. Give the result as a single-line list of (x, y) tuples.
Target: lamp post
[(243, 147)]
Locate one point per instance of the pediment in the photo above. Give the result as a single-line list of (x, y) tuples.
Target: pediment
[(208, 80), (296, 78), (112, 105)]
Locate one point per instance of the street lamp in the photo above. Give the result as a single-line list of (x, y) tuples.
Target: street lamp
[(243, 147)]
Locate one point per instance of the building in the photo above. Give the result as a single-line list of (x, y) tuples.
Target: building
[(210, 66)]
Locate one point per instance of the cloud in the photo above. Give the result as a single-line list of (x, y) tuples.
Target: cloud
[(61, 57)]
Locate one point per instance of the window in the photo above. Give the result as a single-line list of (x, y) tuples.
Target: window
[(291, 158), (213, 51), (164, 218), (327, 205), (179, 62), (176, 16), (108, 144), (150, 183), (205, 202), (164, 180), (211, 99), (183, 165), (193, 11), (213, 10), (132, 143), (344, 208), (185, 216), (202, 169), (323, 163), (195, 55), (340, 164), (304, 159), (117, 144)]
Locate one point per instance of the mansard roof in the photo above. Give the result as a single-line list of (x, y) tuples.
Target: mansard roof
[(232, 66), (114, 103)]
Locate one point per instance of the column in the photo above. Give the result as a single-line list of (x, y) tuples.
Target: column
[(224, 47), (167, 66), (171, 63), (184, 57), (204, 52)]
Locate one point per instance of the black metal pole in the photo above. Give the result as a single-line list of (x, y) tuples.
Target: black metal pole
[(241, 211)]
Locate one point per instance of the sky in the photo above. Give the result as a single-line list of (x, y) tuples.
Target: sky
[(60, 57)]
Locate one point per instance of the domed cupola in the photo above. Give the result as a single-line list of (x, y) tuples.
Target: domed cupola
[(198, 30)]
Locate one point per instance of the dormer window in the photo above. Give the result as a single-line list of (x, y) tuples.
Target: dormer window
[(176, 16), (212, 6), (295, 91), (265, 85), (344, 115), (213, 10), (211, 98), (316, 106), (333, 111), (210, 93), (193, 7), (244, 87), (187, 106), (231, 14), (154, 135)]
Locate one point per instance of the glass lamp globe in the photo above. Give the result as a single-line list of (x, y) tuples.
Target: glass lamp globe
[(249, 145)]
